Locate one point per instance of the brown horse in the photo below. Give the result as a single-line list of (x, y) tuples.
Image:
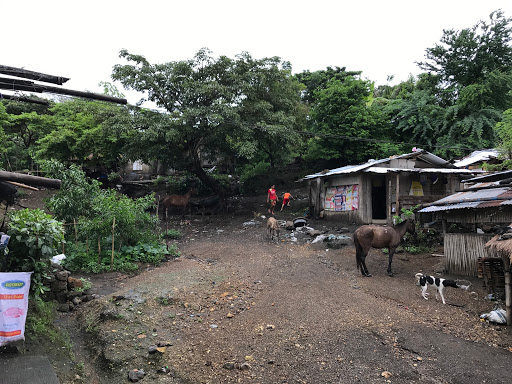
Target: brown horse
[(376, 236), (177, 201)]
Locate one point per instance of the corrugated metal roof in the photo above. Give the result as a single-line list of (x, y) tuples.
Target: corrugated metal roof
[(477, 156), (437, 208), (421, 154), (484, 198), (419, 170), (491, 177)]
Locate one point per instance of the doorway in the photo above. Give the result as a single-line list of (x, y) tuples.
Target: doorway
[(379, 198)]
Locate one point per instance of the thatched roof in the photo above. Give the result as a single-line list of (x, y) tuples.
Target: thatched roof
[(502, 244)]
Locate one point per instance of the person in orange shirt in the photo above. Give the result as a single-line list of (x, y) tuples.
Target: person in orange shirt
[(286, 199), (272, 198)]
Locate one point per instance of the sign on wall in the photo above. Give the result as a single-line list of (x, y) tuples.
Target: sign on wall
[(14, 289), (416, 189), (342, 198)]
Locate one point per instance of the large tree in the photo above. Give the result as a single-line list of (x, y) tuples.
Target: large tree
[(80, 133), (468, 56), (24, 123), (215, 108), (453, 108), (346, 126)]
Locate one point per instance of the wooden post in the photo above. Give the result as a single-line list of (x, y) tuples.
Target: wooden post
[(99, 250), (390, 210), (508, 290), (397, 207), (112, 259), (76, 231)]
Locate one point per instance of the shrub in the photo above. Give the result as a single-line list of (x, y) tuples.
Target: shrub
[(35, 238), (172, 234)]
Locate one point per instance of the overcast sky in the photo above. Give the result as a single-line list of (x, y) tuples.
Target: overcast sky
[(81, 39)]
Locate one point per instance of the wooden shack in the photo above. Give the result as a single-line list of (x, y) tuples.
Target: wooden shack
[(486, 202), (375, 191), (501, 247)]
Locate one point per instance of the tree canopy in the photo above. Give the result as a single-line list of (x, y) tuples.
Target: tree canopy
[(216, 108)]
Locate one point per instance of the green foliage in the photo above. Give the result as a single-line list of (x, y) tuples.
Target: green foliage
[(465, 57), (316, 81), (146, 253), (80, 258), (83, 132), (132, 222), (86, 284), (504, 132), (40, 319), (81, 201), (173, 234), (343, 111), (406, 214), (98, 215), (504, 165), (253, 176), (4, 122), (114, 177), (35, 238), (76, 195), (218, 108)]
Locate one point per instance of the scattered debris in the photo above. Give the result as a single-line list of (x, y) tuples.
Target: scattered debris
[(498, 316)]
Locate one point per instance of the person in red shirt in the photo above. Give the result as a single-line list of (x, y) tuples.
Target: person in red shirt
[(286, 199), (272, 198)]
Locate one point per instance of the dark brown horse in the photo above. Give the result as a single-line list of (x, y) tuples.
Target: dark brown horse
[(376, 236), (177, 201)]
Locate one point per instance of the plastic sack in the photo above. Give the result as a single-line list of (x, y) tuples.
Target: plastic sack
[(58, 258), (498, 316)]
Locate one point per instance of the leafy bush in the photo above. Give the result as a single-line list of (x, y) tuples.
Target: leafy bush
[(172, 234), (504, 165), (81, 200), (81, 259), (76, 194), (35, 238), (132, 223), (147, 253)]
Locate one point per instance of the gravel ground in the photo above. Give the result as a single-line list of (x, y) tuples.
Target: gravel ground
[(237, 307)]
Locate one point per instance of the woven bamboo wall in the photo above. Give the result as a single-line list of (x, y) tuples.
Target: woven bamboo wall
[(462, 251)]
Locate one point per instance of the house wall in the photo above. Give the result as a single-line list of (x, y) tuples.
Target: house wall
[(445, 185), (143, 168), (317, 198)]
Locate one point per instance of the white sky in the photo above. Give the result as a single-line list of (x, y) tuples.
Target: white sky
[(81, 39)]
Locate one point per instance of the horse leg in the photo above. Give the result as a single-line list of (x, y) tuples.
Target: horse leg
[(364, 269), (391, 253), (366, 273)]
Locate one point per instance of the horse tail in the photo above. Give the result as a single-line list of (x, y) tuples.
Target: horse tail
[(359, 251)]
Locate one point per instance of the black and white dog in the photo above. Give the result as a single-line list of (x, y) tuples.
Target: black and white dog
[(439, 283)]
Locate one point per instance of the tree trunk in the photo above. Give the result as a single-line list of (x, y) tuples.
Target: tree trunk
[(209, 181), (29, 179)]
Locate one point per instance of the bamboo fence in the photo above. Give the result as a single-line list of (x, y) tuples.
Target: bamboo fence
[(462, 251)]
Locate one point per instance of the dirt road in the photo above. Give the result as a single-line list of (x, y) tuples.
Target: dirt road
[(239, 308)]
